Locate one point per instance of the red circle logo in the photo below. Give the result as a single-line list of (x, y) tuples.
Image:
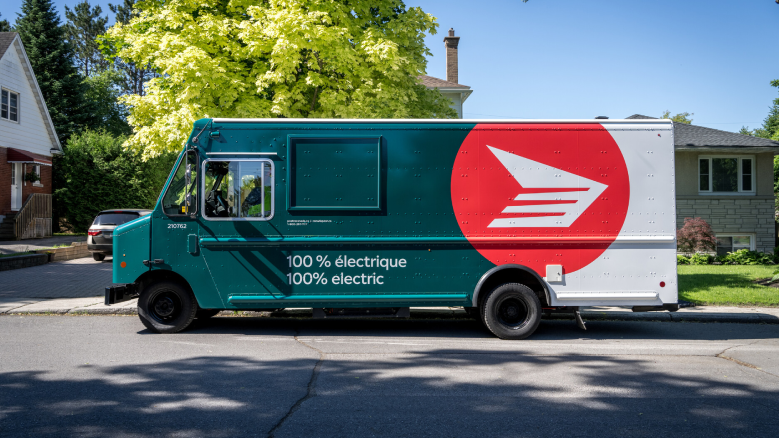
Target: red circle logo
[(540, 194)]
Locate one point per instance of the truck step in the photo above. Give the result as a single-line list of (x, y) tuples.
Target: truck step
[(367, 312)]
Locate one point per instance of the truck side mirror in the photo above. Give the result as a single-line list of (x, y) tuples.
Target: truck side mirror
[(188, 176)]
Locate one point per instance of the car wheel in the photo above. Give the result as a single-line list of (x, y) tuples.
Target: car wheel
[(98, 257), (511, 311), (206, 313), (166, 307)]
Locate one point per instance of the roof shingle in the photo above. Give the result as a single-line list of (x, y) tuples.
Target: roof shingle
[(431, 82), (698, 136), (6, 38)]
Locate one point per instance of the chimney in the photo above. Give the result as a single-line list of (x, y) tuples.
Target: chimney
[(451, 43)]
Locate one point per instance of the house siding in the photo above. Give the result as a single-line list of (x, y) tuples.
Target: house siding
[(729, 214), (31, 132)]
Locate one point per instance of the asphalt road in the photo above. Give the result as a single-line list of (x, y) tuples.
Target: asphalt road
[(107, 376)]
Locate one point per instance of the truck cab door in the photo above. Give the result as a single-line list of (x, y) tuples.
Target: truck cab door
[(174, 235)]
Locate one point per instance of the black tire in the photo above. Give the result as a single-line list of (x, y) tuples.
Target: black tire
[(206, 313), (511, 311), (98, 257), (166, 307)]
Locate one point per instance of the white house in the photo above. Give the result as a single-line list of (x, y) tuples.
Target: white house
[(27, 136)]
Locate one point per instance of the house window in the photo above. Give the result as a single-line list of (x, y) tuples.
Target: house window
[(9, 105), (722, 174), (726, 243), (37, 169)]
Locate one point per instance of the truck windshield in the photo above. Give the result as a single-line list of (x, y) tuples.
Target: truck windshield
[(174, 203)]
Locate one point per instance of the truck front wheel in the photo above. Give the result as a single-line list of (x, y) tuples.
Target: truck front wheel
[(166, 307), (511, 311)]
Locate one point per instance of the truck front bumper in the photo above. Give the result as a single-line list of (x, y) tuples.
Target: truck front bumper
[(120, 293)]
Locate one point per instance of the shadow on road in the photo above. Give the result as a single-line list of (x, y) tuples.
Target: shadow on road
[(432, 393)]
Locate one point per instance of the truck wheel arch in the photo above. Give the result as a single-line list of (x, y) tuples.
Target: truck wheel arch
[(157, 275), (510, 273)]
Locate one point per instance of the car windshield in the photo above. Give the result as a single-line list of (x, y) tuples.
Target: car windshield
[(115, 218)]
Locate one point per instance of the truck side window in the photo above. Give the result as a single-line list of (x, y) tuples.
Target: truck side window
[(238, 189), (174, 202)]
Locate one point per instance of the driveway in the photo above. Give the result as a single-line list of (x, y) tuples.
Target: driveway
[(76, 278)]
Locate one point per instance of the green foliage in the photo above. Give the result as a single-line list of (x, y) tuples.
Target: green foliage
[(133, 75), (746, 131), (51, 58), (682, 260), (31, 177), (747, 257), (701, 259), (107, 112), (679, 118), (99, 174), (82, 29), (282, 58), (5, 26)]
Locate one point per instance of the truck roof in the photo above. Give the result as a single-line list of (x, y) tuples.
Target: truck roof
[(438, 121)]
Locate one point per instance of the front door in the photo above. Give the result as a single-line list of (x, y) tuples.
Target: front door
[(16, 186)]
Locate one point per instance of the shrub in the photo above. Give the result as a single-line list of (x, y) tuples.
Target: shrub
[(701, 259), (695, 236), (97, 173), (682, 260), (747, 257)]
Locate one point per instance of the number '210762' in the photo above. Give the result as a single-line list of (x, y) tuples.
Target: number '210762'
[(177, 226)]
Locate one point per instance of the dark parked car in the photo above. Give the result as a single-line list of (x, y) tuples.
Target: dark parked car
[(100, 239)]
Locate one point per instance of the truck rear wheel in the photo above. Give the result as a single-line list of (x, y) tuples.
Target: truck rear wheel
[(511, 311), (166, 307)]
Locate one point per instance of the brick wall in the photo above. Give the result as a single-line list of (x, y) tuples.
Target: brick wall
[(733, 216), (28, 187)]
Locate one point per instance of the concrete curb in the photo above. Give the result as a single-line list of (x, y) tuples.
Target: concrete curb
[(438, 313)]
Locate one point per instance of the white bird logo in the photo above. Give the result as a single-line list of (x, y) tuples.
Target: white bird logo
[(551, 197)]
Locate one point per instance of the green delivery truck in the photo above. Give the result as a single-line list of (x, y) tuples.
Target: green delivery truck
[(508, 219)]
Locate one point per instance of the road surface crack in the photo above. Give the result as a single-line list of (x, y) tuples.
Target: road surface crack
[(310, 390), (722, 355)]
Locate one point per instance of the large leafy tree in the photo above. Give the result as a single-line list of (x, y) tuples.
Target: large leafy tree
[(134, 76), (51, 58), (278, 58), (82, 29)]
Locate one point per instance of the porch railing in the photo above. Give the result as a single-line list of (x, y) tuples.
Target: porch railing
[(34, 218)]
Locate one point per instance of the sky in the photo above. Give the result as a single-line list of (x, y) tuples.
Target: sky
[(571, 59)]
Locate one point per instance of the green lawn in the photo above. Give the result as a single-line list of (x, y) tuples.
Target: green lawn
[(726, 285)]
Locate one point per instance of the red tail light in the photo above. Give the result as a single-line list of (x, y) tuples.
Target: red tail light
[(94, 232)]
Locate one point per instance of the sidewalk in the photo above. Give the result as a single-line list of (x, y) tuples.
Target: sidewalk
[(95, 306)]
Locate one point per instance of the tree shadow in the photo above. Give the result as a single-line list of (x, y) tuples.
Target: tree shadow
[(440, 392)]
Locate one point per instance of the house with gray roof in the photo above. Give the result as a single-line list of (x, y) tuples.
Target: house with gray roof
[(27, 143), (728, 180)]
